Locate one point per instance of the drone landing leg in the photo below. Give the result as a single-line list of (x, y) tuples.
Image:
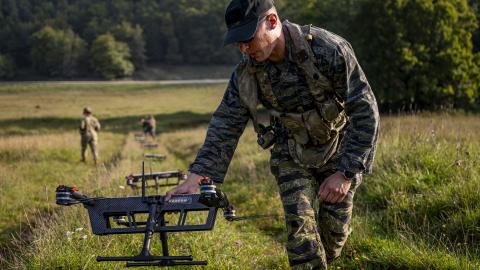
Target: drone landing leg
[(164, 237), (149, 231), (145, 258)]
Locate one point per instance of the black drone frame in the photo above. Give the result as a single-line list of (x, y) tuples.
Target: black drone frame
[(155, 179), (150, 145), (105, 212)]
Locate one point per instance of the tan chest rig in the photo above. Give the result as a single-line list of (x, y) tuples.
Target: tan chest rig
[(312, 135), (89, 129)]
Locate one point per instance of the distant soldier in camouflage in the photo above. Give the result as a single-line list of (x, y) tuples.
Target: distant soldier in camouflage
[(149, 125), (88, 132), (323, 125)]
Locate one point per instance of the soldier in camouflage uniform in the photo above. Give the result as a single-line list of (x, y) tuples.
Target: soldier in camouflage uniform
[(149, 125), (88, 133), (324, 125)]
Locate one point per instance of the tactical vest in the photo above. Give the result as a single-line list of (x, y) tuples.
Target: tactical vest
[(312, 135), (89, 127)]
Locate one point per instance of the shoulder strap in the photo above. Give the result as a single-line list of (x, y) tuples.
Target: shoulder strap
[(247, 88), (266, 87), (301, 37)]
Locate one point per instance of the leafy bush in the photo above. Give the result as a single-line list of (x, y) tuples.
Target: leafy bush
[(133, 36), (57, 52), (420, 53), (7, 67), (111, 58)]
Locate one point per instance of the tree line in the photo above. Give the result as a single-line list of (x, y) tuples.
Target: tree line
[(417, 54), (111, 38)]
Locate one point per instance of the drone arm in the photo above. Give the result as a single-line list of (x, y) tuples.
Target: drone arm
[(70, 195)]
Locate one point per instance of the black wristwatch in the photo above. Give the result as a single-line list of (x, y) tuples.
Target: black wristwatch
[(348, 174)]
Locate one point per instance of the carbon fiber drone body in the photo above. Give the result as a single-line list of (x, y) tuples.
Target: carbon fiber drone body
[(124, 216)]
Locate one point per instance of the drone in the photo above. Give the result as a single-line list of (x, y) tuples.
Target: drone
[(135, 180), (124, 216), (140, 137), (150, 145), (155, 156)]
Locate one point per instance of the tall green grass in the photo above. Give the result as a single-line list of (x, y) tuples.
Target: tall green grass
[(418, 210)]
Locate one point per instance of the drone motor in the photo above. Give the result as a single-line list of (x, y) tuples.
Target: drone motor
[(65, 195)]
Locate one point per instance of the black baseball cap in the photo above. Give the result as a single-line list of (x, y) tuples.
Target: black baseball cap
[(242, 18)]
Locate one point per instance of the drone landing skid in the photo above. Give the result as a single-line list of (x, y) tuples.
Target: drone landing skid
[(155, 179), (149, 260), (104, 213)]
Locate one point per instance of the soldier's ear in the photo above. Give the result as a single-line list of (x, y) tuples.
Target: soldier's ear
[(272, 20)]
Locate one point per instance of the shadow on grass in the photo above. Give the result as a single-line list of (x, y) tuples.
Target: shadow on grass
[(124, 124)]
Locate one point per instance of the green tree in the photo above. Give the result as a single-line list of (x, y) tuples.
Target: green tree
[(7, 67), (334, 15), (202, 22), (57, 52), (419, 52), (133, 36), (475, 5), (111, 58)]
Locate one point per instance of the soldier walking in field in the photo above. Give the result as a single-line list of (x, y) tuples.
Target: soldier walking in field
[(88, 133), (149, 125), (323, 125)]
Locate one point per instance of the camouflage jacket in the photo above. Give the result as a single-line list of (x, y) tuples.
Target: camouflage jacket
[(338, 63), (89, 127)]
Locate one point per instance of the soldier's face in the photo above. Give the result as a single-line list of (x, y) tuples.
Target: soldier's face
[(262, 44)]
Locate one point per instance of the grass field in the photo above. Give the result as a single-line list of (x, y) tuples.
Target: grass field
[(420, 209)]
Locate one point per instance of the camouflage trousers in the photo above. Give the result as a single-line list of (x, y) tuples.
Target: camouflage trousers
[(316, 231), (92, 142), (149, 131)]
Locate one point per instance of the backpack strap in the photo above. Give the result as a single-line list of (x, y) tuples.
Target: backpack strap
[(247, 88), (301, 37)]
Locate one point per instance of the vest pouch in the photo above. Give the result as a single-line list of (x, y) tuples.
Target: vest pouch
[(312, 156), (323, 130), (329, 110), (317, 128), (295, 127)]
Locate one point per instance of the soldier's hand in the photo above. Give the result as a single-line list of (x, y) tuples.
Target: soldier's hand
[(189, 186), (334, 188)]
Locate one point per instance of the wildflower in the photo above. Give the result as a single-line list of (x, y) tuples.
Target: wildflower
[(79, 229), (238, 243)]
